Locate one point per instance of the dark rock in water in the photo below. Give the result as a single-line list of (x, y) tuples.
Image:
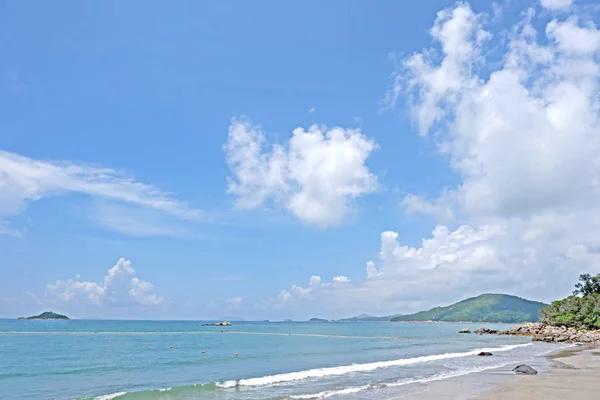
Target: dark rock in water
[(561, 365), (485, 353), (466, 330), (224, 323), (524, 369)]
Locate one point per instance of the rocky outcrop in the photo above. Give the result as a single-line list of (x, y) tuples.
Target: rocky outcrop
[(224, 323), (546, 333), (485, 354), (561, 365), (524, 370), (466, 330)]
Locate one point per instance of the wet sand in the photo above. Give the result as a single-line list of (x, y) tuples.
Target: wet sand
[(582, 383), (502, 383)]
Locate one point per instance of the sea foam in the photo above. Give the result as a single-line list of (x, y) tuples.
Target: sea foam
[(346, 369)]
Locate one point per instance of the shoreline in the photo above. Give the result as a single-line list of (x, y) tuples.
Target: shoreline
[(502, 383), (555, 383)]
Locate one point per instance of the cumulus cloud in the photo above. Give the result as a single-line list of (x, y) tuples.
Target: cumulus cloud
[(24, 180), (523, 136), (556, 5), (120, 287), (316, 176)]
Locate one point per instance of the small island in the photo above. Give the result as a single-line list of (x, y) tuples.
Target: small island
[(224, 323), (318, 320), (47, 315)]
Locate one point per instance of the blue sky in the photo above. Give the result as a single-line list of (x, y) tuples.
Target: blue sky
[(133, 131)]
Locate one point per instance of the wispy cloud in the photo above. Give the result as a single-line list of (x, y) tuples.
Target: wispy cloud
[(134, 221), (5, 229), (24, 180)]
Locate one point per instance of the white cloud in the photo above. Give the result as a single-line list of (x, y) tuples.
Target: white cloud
[(556, 5), (5, 229), (24, 180), (524, 139), (341, 279), (441, 209), (234, 302), (312, 110), (135, 221), (371, 270), (120, 287), (573, 39), (316, 176)]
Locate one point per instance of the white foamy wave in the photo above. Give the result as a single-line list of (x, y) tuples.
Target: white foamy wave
[(110, 396), (227, 384), (356, 389), (329, 393), (346, 369)]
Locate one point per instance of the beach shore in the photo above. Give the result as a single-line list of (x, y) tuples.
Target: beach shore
[(581, 383), (503, 384)]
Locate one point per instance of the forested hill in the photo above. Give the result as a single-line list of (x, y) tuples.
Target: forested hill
[(483, 308)]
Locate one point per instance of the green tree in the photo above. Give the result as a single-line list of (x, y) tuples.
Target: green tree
[(587, 285)]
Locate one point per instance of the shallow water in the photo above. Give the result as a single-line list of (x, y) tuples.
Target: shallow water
[(135, 360)]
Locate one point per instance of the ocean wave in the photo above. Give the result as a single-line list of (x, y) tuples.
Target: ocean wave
[(110, 396), (404, 382), (347, 369)]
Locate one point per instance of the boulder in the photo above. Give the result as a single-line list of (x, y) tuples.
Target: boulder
[(224, 323), (561, 365), (548, 339), (515, 329), (485, 354), (466, 330), (561, 338), (524, 369)]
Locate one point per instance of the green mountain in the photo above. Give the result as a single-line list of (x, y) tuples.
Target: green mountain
[(47, 315), (483, 308)]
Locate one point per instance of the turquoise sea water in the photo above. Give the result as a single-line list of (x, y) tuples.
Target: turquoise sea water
[(134, 359)]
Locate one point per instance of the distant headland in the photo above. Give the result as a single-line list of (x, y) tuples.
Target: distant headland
[(47, 315)]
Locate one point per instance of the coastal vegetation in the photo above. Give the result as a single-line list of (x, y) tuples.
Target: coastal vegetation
[(580, 310), (47, 315), (483, 308)]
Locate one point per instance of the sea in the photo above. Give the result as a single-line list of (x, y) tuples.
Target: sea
[(104, 360)]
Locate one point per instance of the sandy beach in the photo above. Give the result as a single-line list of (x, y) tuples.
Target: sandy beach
[(581, 383), (503, 384)]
